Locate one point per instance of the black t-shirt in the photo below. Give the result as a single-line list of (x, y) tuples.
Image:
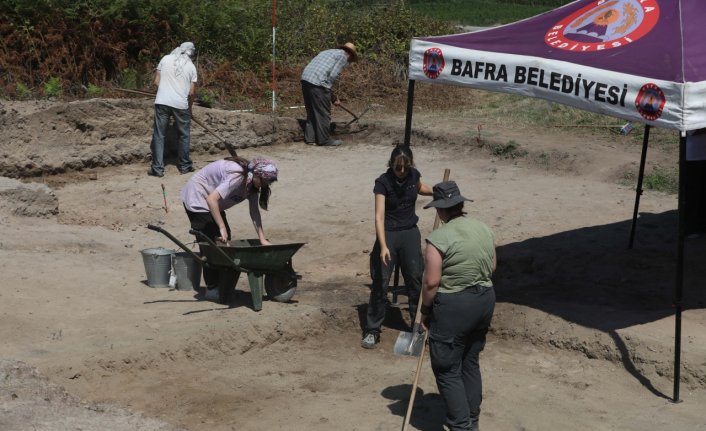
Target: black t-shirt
[(400, 197)]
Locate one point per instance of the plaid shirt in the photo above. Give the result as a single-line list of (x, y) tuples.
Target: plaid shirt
[(325, 67)]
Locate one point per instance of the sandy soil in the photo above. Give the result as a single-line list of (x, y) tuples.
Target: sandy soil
[(583, 333)]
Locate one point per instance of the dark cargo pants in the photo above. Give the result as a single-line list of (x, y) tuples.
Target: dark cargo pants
[(406, 251), (459, 324)]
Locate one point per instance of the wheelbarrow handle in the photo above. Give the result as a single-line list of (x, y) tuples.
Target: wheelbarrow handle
[(203, 236), (176, 241)]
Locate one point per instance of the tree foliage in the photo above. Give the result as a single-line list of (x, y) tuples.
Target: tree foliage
[(95, 42)]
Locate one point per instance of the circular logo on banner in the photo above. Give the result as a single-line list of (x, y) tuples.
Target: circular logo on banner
[(650, 101), (604, 24), (433, 63)]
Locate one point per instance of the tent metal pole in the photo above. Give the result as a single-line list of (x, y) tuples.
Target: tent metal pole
[(678, 288), (410, 106), (638, 190)]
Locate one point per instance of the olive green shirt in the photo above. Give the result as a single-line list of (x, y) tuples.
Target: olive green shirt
[(467, 248)]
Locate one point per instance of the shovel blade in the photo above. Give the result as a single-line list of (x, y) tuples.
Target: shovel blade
[(409, 343)]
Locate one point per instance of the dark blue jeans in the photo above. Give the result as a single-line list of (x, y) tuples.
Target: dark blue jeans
[(182, 120), (459, 324)]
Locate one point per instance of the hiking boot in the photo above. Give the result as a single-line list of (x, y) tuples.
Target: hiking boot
[(212, 294), (187, 170), (152, 173), (370, 340)]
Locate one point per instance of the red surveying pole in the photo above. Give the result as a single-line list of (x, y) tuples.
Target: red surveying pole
[(274, 32)]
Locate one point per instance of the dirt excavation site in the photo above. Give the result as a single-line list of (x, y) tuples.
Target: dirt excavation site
[(583, 332)]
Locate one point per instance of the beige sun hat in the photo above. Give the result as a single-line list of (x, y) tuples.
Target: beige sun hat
[(350, 48)]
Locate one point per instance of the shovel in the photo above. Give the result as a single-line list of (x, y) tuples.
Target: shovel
[(412, 343), (366, 109)]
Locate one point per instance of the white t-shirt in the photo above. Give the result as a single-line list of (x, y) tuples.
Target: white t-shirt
[(175, 82)]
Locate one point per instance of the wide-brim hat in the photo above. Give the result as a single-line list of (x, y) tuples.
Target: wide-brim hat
[(350, 48), (446, 194)]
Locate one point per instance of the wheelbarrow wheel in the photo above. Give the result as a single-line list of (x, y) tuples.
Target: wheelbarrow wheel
[(280, 286)]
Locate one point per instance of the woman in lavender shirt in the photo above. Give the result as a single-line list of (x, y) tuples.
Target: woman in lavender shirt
[(219, 186)]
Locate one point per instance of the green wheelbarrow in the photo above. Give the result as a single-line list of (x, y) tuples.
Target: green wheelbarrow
[(269, 267)]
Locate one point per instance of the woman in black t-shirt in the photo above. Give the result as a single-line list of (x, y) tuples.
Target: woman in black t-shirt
[(398, 241)]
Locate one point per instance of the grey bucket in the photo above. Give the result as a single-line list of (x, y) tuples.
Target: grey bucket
[(158, 265), (187, 270)]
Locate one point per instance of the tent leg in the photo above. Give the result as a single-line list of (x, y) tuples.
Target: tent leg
[(638, 190), (678, 288), (410, 105)]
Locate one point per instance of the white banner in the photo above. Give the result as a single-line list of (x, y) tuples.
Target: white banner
[(634, 98)]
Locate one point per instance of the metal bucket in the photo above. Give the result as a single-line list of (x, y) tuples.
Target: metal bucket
[(188, 271), (158, 265)]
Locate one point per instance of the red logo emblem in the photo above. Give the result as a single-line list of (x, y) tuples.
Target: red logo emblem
[(604, 24), (433, 63), (650, 101)]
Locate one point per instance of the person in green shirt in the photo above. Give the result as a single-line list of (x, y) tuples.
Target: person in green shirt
[(458, 301)]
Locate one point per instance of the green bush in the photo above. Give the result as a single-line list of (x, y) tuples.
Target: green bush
[(94, 91), (22, 92), (205, 98), (130, 79), (52, 88)]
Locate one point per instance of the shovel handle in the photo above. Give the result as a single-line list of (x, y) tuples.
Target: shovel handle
[(229, 147), (340, 105), (417, 322), (447, 173)]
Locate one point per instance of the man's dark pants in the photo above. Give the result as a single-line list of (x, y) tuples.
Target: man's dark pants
[(317, 101), (459, 324)]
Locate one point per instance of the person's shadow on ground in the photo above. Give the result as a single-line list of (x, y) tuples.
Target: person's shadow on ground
[(428, 411)]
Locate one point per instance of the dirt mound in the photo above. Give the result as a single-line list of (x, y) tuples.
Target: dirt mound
[(29, 401), (54, 137), (27, 199)]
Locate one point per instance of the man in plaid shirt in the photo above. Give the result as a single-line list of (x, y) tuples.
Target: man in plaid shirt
[(317, 79)]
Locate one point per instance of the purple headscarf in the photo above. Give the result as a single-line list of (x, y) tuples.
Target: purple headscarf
[(265, 168)]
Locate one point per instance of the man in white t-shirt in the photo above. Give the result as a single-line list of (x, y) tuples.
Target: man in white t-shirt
[(175, 79)]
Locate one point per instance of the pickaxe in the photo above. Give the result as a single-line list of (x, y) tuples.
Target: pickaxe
[(355, 117)]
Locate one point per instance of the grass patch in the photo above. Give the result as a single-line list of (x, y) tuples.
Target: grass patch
[(662, 180), (511, 150), (482, 12)]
